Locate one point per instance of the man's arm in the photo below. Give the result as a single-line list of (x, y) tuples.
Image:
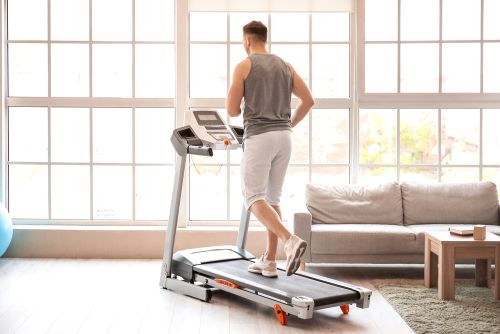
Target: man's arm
[(235, 93), (306, 102)]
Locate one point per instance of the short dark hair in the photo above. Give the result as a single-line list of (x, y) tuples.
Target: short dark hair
[(257, 30)]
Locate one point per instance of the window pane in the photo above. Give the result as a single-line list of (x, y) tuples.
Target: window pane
[(419, 68), (330, 137), (381, 20), (461, 19), (28, 70), (70, 136), (418, 174), (112, 192), (461, 67), (330, 70), (381, 68), (332, 27), (238, 20), (460, 136), (112, 134), (491, 137), (153, 128), (459, 174), (419, 136), (154, 71), (112, 70), (297, 56), (491, 68), (27, 19), (112, 20), (69, 20), (154, 20), (377, 137), (208, 26), (377, 175), (491, 19), (413, 14), (28, 134), (70, 192), (293, 190), (330, 175), (235, 195), (208, 81), (300, 142), (153, 192), (492, 175), (28, 191), (70, 70), (290, 27), (208, 193)]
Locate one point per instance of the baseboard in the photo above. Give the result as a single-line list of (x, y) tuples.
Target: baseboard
[(111, 242)]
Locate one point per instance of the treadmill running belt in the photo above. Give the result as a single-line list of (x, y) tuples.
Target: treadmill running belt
[(295, 285)]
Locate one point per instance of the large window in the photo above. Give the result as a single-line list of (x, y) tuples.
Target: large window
[(318, 47), (431, 90), (404, 90), (91, 87)]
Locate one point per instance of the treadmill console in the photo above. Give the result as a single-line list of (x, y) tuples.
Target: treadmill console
[(206, 131)]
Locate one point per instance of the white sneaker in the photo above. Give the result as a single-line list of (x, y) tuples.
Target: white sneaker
[(294, 249), (263, 266)]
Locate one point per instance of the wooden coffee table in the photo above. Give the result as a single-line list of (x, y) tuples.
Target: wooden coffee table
[(443, 248)]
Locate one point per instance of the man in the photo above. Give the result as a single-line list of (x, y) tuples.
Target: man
[(266, 83)]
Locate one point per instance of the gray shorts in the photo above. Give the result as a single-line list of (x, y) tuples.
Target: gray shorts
[(263, 166)]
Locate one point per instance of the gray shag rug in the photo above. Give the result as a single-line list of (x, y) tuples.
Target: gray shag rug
[(474, 309)]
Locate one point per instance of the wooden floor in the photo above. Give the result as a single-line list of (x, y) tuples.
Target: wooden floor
[(123, 296)]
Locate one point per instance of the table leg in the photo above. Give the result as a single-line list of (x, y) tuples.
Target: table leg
[(497, 272), (430, 266), (446, 273), (483, 272)]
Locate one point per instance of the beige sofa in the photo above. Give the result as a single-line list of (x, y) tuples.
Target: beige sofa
[(386, 223)]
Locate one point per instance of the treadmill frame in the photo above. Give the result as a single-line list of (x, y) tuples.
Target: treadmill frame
[(201, 286)]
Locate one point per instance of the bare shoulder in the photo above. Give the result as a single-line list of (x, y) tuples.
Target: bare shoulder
[(243, 68)]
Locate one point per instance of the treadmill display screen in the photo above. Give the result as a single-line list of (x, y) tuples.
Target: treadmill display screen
[(207, 117)]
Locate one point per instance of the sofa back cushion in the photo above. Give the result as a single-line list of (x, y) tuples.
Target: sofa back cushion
[(355, 204), (454, 203)]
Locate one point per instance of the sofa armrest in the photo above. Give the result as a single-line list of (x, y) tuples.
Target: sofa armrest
[(302, 222)]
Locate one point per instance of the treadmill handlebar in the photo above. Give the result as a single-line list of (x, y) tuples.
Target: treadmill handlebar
[(200, 150)]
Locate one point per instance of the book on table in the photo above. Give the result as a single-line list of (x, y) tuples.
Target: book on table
[(462, 230)]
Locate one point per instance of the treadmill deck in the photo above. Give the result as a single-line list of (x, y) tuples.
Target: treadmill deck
[(283, 287)]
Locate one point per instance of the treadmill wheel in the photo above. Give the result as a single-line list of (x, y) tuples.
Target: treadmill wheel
[(345, 308), (282, 316)]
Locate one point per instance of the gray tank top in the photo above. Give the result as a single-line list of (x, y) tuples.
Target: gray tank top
[(268, 92)]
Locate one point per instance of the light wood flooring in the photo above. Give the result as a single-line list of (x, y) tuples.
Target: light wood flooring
[(122, 296)]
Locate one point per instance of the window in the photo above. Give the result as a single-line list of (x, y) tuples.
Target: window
[(90, 110), (423, 114), (318, 46), (90, 105)]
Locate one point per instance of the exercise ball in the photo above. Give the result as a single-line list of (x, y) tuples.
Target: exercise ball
[(5, 230)]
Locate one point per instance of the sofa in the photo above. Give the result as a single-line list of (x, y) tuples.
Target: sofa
[(386, 223)]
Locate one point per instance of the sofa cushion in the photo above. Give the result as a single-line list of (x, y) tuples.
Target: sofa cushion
[(420, 230), (362, 239), (355, 204), (453, 203)]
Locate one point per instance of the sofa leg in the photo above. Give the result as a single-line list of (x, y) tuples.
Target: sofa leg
[(302, 266)]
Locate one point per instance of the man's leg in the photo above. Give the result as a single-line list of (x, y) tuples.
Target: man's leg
[(272, 239), (270, 219)]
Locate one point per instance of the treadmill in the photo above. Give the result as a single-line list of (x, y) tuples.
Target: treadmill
[(199, 272)]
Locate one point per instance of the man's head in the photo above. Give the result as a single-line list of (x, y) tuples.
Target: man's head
[(254, 33)]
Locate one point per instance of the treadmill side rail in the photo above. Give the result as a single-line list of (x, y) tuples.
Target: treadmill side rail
[(304, 311)]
